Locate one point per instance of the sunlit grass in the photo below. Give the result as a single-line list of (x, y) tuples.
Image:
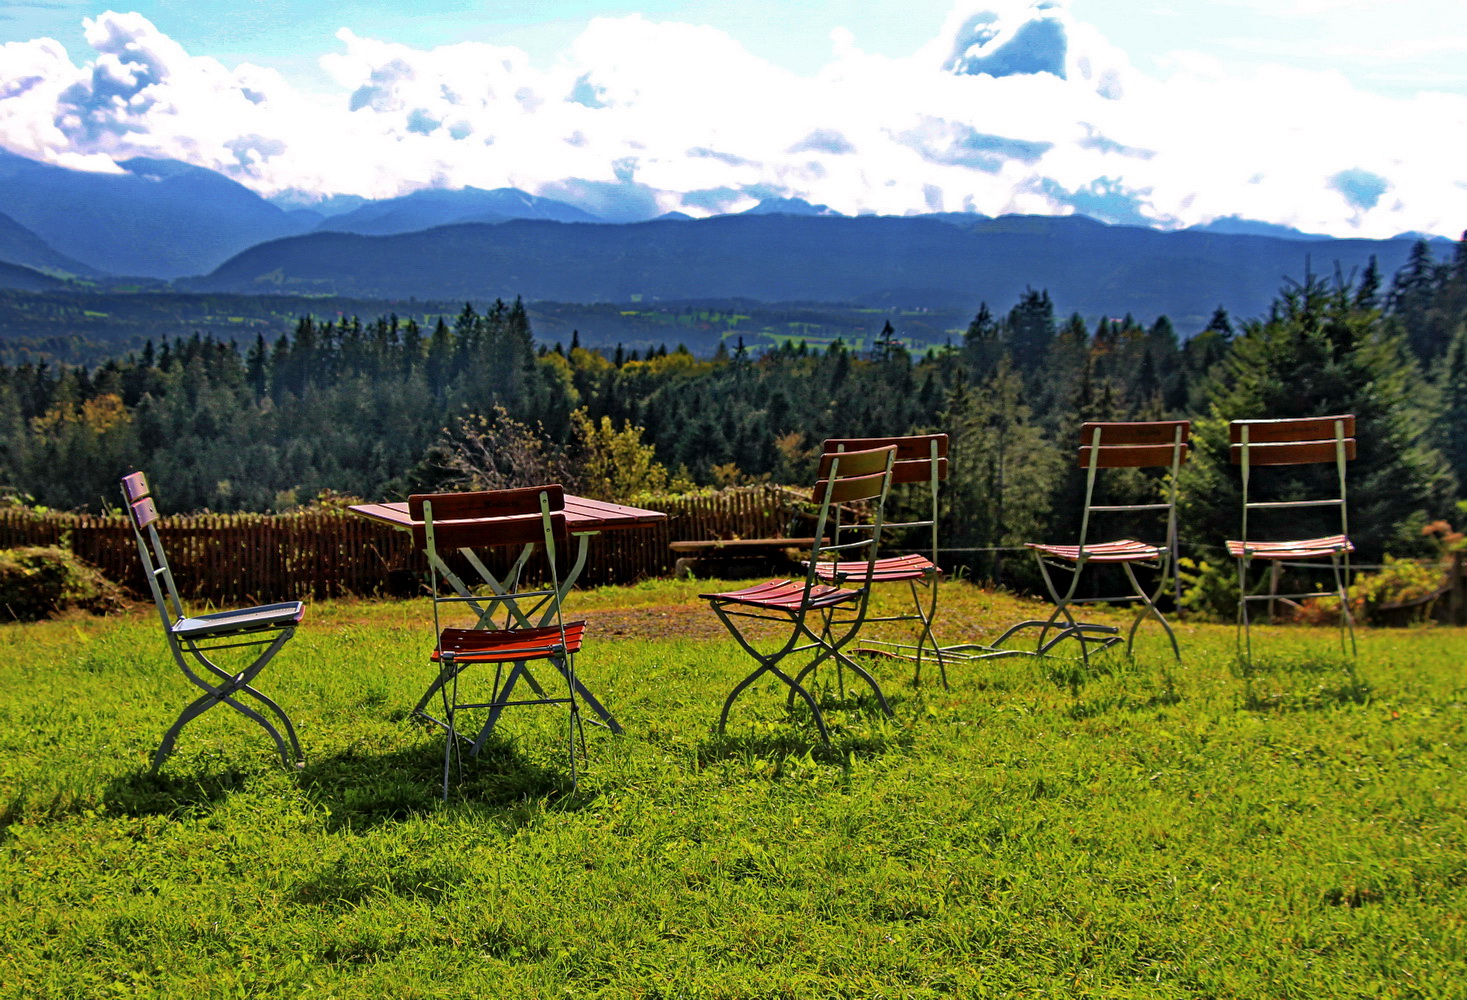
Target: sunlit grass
[(1046, 828)]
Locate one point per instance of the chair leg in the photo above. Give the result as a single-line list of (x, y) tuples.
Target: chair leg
[(1347, 620), (926, 615), (1061, 606), (223, 693), (1149, 609), (190, 712), (1244, 636), (450, 716), (279, 713)]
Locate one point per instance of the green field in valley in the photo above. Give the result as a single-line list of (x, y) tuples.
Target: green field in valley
[(1044, 829)]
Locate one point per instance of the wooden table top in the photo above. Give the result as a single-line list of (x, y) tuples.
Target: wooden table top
[(582, 515)]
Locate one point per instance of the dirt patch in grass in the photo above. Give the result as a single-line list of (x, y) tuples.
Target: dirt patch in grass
[(661, 621)]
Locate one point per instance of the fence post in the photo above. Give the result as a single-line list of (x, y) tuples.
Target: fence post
[(1456, 598)]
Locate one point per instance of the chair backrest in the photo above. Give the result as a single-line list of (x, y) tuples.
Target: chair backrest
[(850, 477), (1294, 441), (1133, 444), (529, 516), (920, 458), (488, 517), (142, 514)]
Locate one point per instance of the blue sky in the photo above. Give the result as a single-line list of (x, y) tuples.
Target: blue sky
[(1342, 116), (1388, 46)]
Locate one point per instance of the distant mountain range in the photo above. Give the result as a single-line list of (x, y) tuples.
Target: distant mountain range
[(904, 263), (160, 221)]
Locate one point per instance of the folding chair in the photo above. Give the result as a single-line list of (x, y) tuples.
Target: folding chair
[(1302, 441), (529, 517), (270, 626), (920, 458), (1151, 444), (822, 618)]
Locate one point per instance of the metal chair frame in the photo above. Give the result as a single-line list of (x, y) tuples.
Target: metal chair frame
[(1293, 441), (1103, 445), (919, 459), (823, 618), (190, 638), (535, 517)]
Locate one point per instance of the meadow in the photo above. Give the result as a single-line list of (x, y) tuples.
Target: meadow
[(1134, 828)]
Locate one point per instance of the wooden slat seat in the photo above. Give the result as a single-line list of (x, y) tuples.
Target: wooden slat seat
[(891, 569), (469, 645), (1304, 548), (1124, 550), (784, 595), (245, 620)]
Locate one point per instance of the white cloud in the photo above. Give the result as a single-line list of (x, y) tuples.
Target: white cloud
[(639, 117)]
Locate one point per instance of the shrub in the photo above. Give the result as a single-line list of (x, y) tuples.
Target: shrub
[(1209, 593), (37, 582), (1399, 581)]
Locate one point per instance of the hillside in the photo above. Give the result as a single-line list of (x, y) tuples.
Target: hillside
[(1088, 267), (156, 219), (21, 247)]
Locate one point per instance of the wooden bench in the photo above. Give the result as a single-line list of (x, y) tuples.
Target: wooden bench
[(735, 556)]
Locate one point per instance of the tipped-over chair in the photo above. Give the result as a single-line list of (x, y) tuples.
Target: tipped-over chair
[(443, 522), (816, 617), (1151, 444), (1293, 442), (920, 459), (191, 638)]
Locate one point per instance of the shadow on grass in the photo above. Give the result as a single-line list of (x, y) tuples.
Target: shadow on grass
[(137, 793), (1262, 666), (1352, 689), (783, 746), (1075, 674), (1096, 707), (364, 790)]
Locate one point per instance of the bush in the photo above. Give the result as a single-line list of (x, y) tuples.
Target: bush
[(1209, 593), (37, 582), (1398, 582)]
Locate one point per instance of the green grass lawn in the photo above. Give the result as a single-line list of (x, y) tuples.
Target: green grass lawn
[(1134, 829)]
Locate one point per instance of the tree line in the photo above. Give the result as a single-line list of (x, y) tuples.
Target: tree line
[(386, 407)]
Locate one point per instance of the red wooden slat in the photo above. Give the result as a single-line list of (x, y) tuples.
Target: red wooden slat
[(1292, 452), (1292, 428)]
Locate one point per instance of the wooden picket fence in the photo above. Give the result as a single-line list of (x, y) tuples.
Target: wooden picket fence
[(254, 558)]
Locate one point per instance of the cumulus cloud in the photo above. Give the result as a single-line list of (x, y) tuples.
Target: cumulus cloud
[(1015, 106)]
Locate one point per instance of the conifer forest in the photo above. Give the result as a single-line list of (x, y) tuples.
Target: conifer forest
[(379, 408)]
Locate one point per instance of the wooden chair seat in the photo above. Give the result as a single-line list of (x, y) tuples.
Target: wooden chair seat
[(469, 645), (785, 595), (221, 623), (1125, 550), (1305, 548), (888, 570)]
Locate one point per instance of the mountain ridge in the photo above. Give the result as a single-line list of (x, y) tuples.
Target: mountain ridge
[(1088, 266)]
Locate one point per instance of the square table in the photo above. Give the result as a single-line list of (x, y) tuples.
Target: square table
[(585, 518)]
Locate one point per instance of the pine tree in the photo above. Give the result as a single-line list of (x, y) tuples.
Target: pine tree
[(1318, 354)]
